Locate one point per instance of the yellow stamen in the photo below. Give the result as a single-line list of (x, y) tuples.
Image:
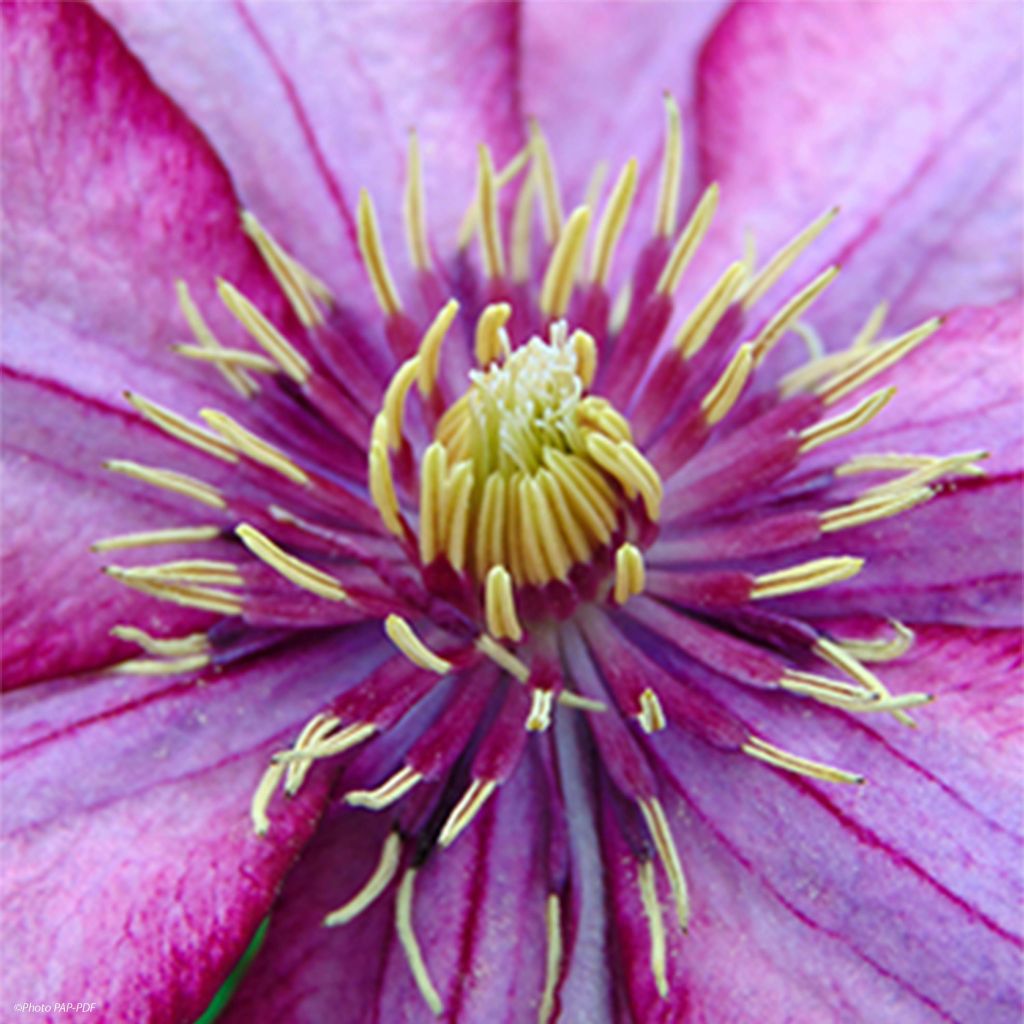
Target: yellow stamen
[(153, 667), (237, 378), (539, 719), (466, 810), (633, 472), (148, 538), (779, 758), (490, 231), (393, 406), (846, 423), (469, 221), (414, 208), (235, 357), (329, 746), (254, 447), (169, 647), (573, 700), (820, 572), (405, 639), (550, 196), (785, 257), (522, 230), (318, 727), (613, 220), (430, 348), (410, 945), (881, 650), (563, 267), (844, 659), (382, 485), (661, 834), (655, 926), (264, 333), (375, 260), (688, 242), (301, 573), (553, 958), (874, 360), (586, 356), (489, 543), (205, 598), (818, 369), (491, 341), (811, 339), (500, 605), (168, 480), (265, 791), (872, 326), (303, 290), (823, 688), (457, 494), (933, 466), (390, 790), (723, 396), (671, 171), (934, 469), (192, 570), (572, 532), (180, 428), (704, 318), (433, 470), (870, 508), (651, 715), (795, 308), (376, 884), (629, 573), (505, 659)]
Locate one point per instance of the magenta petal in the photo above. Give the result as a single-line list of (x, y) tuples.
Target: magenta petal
[(896, 901), (307, 103), (957, 392), (57, 499), (956, 559), (478, 915), (109, 195), (906, 115), (128, 800)]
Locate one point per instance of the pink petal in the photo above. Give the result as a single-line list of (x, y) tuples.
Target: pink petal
[(907, 115), (896, 901), (57, 500), (478, 914), (959, 391), (132, 874), (592, 76), (958, 558), (308, 103), (110, 194)]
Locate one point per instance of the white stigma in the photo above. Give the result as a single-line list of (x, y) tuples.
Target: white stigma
[(529, 402)]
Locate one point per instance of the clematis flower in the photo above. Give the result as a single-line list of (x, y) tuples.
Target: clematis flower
[(512, 571)]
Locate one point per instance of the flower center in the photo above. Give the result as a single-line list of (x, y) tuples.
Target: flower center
[(531, 482)]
